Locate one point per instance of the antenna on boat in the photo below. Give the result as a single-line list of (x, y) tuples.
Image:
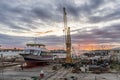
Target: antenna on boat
[(35, 39)]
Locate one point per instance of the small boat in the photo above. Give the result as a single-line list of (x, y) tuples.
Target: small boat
[(36, 54)]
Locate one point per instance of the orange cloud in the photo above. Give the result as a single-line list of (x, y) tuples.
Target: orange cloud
[(44, 32), (54, 47), (93, 45)]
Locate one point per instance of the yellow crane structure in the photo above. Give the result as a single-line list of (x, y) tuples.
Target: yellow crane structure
[(67, 38)]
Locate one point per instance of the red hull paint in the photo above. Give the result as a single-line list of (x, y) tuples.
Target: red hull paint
[(35, 63)]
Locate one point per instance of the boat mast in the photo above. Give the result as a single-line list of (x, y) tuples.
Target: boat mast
[(67, 38)]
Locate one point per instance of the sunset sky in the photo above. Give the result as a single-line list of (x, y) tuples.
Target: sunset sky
[(92, 22)]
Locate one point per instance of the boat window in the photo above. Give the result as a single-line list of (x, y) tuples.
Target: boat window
[(39, 52), (31, 51), (27, 51), (44, 53), (36, 52)]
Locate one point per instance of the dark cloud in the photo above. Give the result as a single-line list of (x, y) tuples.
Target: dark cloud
[(109, 34), (92, 4), (18, 41), (76, 11), (14, 16), (13, 41), (47, 11), (42, 13), (115, 15), (20, 15)]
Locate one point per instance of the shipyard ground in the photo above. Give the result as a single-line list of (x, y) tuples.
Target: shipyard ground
[(16, 73)]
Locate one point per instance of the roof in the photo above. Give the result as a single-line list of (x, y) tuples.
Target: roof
[(35, 44)]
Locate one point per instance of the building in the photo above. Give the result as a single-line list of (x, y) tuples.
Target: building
[(115, 54)]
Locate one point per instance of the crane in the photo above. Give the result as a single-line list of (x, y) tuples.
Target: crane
[(67, 38)]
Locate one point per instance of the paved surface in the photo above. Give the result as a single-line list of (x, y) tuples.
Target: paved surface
[(15, 73)]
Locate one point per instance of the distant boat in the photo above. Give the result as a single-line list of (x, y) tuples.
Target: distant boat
[(36, 54), (59, 54)]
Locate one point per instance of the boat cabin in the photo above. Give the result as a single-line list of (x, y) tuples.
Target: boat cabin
[(36, 49)]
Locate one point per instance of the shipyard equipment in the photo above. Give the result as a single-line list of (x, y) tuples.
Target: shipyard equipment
[(69, 62), (67, 39)]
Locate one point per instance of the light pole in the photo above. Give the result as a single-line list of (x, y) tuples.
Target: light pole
[(2, 66)]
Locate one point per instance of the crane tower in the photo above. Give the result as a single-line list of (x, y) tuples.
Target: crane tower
[(67, 38)]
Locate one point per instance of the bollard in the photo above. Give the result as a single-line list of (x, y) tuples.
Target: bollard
[(41, 74)]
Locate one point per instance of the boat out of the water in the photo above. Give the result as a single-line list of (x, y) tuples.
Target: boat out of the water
[(36, 54)]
